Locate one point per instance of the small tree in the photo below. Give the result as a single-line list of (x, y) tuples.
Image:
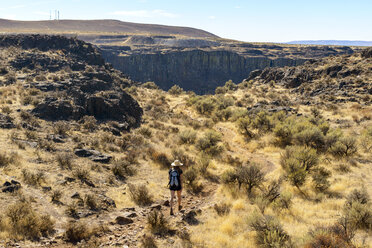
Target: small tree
[(175, 90), (244, 126), (250, 176)]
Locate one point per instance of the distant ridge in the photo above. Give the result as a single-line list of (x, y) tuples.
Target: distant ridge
[(331, 42), (98, 26)]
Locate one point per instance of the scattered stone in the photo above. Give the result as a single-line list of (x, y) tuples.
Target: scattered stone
[(120, 220), (11, 186), (6, 122), (155, 206), (166, 203), (76, 195), (93, 155), (56, 138), (130, 215)]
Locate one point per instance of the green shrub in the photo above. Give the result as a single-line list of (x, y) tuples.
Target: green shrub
[(145, 131), (187, 136), (284, 201), (283, 135), (220, 90), (357, 210), (161, 159), (366, 139), (5, 160), (33, 178), (175, 90), (61, 128), (224, 102), (330, 236), (297, 162), (209, 143), (150, 85), (158, 224), (311, 137), (269, 232), (262, 122), (229, 85), (344, 147), (148, 241), (320, 178), (205, 106), (77, 231), (140, 195), (64, 161), (244, 127)]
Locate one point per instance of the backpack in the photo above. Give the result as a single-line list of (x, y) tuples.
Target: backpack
[(173, 178)]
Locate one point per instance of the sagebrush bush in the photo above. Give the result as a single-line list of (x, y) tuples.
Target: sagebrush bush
[(320, 178), (297, 162), (329, 236), (122, 169), (175, 90), (205, 106), (24, 222), (64, 161), (61, 128), (187, 136), (244, 127), (5, 160), (357, 210), (148, 241), (269, 232), (209, 143), (33, 178), (158, 224), (222, 208), (344, 147), (284, 135), (77, 231), (150, 85), (161, 159), (262, 122), (140, 194), (284, 201)]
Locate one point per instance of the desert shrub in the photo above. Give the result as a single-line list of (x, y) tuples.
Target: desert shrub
[(297, 162), (145, 131), (222, 209), (320, 179), (161, 159), (33, 178), (182, 156), (229, 85), (10, 78), (148, 241), (82, 174), (366, 139), (224, 102), (56, 195), (122, 169), (244, 127), (250, 176), (209, 143), (283, 135), (187, 136), (220, 90), (175, 90), (3, 70), (272, 191), (262, 122), (140, 194), (269, 232), (189, 176), (344, 147), (5, 159), (91, 201), (40, 77), (89, 123), (6, 110), (64, 160), (222, 115), (205, 106), (77, 231), (357, 210), (26, 223), (158, 224), (329, 236), (360, 196), (150, 85), (284, 201), (311, 137), (203, 164)]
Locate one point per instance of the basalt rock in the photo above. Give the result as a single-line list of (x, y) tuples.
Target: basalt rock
[(6, 122)]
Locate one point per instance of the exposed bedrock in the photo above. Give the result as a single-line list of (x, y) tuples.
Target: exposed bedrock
[(196, 70)]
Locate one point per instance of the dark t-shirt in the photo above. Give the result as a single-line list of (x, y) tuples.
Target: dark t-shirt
[(179, 187)]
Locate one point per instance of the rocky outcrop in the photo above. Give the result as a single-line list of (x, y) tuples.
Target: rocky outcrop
[(197, 70), (202, 65), (87, 85)]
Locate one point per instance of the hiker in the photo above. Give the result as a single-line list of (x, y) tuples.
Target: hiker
[(175, 183)]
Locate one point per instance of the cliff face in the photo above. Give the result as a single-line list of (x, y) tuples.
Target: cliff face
[(197, 70)]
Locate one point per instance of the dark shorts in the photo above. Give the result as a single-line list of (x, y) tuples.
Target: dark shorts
[(175, 188)]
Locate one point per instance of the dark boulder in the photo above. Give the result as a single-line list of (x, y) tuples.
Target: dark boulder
[(6, 122), (120, 220), (367, 53)]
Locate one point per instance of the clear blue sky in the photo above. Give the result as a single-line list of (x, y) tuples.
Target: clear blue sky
[(247, 20)]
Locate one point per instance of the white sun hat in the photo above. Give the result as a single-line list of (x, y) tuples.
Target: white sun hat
[(176, 163)]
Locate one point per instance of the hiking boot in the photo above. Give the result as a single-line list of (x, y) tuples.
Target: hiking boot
[(179, 208), (171, 212)]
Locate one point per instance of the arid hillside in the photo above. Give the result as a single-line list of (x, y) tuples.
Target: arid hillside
[(98, 26), (85, 154)]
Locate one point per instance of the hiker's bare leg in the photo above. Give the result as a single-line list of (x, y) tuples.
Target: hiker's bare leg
[(171, 200), (179, 198)]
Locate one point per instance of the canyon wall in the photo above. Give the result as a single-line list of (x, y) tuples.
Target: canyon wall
[(196, 70)]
